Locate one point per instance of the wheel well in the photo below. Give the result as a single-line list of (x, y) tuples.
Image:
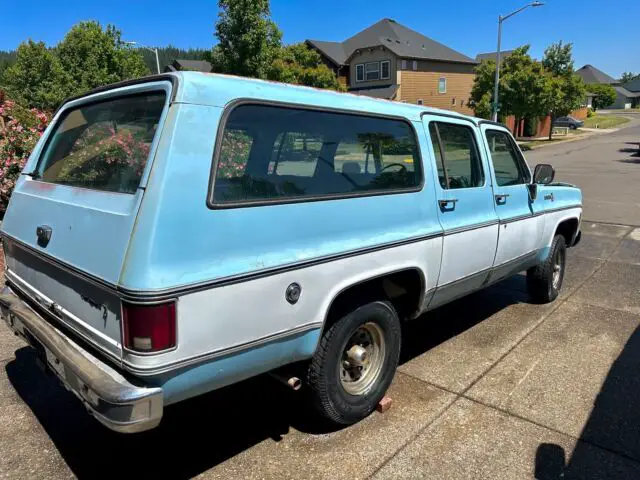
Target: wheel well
[(567, 229), (403, 289)]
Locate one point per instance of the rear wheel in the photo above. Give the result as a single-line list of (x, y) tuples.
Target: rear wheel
[(355, 363), (544, 281)]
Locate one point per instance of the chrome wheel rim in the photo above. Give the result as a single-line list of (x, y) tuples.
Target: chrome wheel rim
[(558, 265), (362, 359)]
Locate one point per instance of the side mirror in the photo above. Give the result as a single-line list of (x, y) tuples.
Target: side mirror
[(543, 174)]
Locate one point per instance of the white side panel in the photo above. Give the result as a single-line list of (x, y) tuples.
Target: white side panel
[(466, 253), (517, 239), (553, 219), (224, 317)]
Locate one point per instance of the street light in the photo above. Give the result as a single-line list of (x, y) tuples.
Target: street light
[(500, 20), (155, 50)]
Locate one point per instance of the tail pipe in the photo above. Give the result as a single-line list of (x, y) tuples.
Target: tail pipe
[(294, 383)]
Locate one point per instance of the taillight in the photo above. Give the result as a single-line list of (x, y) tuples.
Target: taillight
[(149, 328)]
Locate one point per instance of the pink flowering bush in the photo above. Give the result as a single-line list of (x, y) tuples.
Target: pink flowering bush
[(236, 146), (101, 153), (20, 130)]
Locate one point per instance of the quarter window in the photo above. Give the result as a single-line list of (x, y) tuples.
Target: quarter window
[(457, 158), (372, 70), (385, 66), (507, 164), (360, 72), (283, 154)]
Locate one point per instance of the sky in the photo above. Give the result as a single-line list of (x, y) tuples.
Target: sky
[(604, 34)]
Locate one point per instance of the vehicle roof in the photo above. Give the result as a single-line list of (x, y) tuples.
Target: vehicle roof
[(219, 90)]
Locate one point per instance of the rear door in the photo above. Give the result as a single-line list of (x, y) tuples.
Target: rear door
[(465, 206), (71, 215), (520, 228)]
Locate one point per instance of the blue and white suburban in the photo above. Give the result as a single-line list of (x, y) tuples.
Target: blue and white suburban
[(182, 232)]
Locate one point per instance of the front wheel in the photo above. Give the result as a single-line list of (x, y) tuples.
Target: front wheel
[(355, 363), (544, 281)]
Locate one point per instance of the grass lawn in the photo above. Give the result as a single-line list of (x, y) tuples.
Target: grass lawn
[(604, 121)]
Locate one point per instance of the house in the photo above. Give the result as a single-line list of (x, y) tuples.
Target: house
[(190, 65), (481, 57), (633, 87), (388, 60), (625, 98)]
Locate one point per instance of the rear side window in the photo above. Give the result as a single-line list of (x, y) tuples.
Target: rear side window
[(103, 146), (457, 158), (272, 154)]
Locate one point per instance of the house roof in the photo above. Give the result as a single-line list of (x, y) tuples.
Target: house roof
[(387, 92), (481, 57), (401, 40), (633, 85), (191, 65), (332, 50), (623, 91), (591, 74)]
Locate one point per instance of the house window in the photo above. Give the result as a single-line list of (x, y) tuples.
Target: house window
[(420, 102), (385, 67), (442, 85), (404, 64), (360, 72), (415, 65), (372, 70)]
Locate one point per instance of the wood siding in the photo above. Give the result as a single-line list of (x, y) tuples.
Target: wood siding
[(415, 85), (376, 54)]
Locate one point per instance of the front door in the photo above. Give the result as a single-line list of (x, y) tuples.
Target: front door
[(520, 228), (465, 206)]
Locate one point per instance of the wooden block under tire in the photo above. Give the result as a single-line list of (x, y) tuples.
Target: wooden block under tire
[(384, 404)]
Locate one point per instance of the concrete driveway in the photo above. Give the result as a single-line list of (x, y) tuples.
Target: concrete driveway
[(490, 386)]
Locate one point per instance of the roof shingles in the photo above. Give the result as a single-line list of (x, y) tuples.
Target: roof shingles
[(401, 40)]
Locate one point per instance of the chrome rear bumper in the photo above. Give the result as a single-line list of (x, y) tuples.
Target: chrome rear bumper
[(109, 397)]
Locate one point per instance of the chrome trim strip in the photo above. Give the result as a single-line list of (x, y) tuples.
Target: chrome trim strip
[(467, 228), (558, 209), (518, 218), (221, 353), (243, 277), (154, 296)]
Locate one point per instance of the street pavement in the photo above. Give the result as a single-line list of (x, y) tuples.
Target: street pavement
[(606, 167), (490, 386)]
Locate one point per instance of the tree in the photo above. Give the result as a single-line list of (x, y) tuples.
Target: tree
[(249, 41), (603, 95), (92, 56), (567, 89), (36, 79), (628, 77), (301, 65), (525, 88)]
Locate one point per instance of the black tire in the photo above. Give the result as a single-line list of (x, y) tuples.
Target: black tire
[(540, 279), (328, 394)]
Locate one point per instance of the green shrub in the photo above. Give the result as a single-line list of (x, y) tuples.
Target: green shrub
[(590, 113)]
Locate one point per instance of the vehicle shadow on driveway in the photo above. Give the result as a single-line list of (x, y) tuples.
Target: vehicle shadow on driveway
[(612, 426), (198, 434)]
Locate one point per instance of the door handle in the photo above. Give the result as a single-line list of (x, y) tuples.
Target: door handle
[(443, 203), (501, 198), (549, 196)]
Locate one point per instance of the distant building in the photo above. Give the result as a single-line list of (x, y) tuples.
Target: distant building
[(625, 97), (190, 65), (481, 57), (388, 60)]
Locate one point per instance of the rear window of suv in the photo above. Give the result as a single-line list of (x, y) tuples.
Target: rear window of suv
[(104, 145)]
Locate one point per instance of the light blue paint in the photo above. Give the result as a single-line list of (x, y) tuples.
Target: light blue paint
[(192, 381)]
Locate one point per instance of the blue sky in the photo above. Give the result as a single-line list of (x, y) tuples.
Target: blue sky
[(604, 34)]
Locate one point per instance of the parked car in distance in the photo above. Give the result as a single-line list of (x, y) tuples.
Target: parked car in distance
[(568, 121), (182, 232)]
